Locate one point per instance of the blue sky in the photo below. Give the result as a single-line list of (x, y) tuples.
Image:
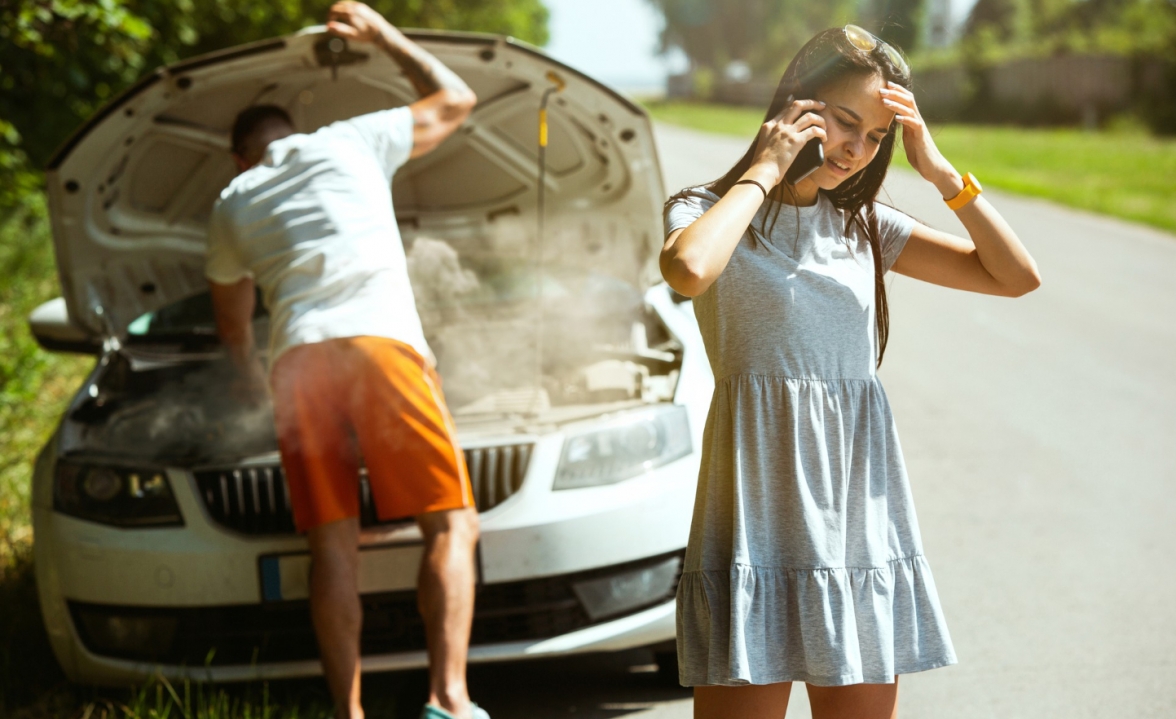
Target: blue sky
[(615, 41)]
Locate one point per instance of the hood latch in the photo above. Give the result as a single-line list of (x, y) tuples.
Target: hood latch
[(333, 51)]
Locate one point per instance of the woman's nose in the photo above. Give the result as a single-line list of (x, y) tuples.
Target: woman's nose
[(854, 148)]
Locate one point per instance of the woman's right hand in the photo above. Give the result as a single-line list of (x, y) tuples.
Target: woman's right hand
[(781, 139), (693, 257)]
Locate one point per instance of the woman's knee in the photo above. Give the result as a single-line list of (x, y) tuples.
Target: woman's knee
[(854, 701), (750, 701)]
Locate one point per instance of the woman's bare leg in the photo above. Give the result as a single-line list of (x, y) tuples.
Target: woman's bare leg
[(856, 701), (754, 701)]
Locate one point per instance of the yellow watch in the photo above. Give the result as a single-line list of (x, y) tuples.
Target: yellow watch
[(971, 189)]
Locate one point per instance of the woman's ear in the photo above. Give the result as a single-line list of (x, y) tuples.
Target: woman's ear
[(786, 92)]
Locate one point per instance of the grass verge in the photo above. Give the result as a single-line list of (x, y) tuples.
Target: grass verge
[(33, 687), (1129, 175), (34, 385)]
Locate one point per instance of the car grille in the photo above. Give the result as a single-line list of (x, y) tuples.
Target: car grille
[(281, 631), (256, 500)]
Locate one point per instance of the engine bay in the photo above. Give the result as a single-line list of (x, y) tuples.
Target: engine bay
[(516, 347)]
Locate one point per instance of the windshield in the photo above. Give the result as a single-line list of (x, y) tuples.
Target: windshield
[(190, 317)]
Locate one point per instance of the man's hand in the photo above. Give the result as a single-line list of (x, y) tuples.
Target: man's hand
[(446, 101), (232, 306), (356, 21), (250, 384)]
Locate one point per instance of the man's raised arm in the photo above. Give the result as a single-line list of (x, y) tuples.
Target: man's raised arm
[(445, 101)]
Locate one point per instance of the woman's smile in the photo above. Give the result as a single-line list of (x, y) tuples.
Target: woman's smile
[(841, 169), (856, 121)]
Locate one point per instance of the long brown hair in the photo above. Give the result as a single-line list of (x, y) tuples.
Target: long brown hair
[(827, 59)]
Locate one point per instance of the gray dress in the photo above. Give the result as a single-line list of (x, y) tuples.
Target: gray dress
[(804, 561)]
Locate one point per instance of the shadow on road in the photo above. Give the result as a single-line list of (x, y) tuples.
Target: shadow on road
[(595, 686)]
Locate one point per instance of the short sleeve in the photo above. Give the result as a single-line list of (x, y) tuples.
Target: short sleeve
[(388, 133), (894, 229), (684, 210), (223, 263)]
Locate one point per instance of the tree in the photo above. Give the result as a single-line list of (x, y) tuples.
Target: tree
[(765, 34), (1143, 30), (60, 60), (193, 27), (898, 22), (1124, 27)]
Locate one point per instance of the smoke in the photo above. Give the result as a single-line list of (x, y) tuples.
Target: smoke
[(439, 282), (487, 303), (485, 324), (185, 413)]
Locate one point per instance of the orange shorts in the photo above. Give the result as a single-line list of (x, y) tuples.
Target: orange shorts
[(341, 400)]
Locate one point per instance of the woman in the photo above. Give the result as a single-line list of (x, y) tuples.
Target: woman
[(804, 561)]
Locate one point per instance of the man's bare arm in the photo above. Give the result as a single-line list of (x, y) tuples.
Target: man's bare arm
[(426, 73), (445, 101), (232, 307)]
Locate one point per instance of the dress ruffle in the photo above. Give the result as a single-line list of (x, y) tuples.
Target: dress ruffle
[(829, 627), (805, 561)]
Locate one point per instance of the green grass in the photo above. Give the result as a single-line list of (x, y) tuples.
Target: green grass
[(32, 686), (721, 119), (1125, 174), (34, 385)]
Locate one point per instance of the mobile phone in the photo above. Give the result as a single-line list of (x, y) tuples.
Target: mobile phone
[(810, 157)]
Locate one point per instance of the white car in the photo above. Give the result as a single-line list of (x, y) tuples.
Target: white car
[(164, 540)]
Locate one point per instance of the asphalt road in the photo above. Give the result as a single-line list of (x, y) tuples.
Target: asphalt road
[(1040, 434)]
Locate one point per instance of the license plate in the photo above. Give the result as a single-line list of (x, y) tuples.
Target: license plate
[(381, 569)]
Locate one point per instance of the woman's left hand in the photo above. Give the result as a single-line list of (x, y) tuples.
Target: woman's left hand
[(921, 151)]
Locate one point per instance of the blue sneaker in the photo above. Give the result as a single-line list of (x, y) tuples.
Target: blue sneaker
[(434, 712)]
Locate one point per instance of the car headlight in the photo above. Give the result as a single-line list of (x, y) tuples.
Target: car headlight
[(631, 445), (121, 496)]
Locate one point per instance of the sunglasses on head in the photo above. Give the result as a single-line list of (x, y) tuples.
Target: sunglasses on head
[(867, 41)]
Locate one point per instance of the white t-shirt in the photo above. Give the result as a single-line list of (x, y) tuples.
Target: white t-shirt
[(313, 224)]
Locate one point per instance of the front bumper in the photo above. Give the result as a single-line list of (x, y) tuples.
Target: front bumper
[(650, 626), (511, 621), (203, 587)]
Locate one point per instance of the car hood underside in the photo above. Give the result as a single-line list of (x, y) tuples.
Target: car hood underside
[(131, 192)]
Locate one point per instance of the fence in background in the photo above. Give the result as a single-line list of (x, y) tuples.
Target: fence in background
[(1064, 89)]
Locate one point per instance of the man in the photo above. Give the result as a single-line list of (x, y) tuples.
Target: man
[(310, 221)]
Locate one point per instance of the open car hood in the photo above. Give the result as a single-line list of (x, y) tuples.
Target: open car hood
[(131, 192)]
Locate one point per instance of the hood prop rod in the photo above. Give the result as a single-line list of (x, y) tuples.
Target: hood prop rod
[(557, 85)]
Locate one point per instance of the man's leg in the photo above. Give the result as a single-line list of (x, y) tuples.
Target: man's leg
[(321, 468), (336, 611), (445, 597)]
